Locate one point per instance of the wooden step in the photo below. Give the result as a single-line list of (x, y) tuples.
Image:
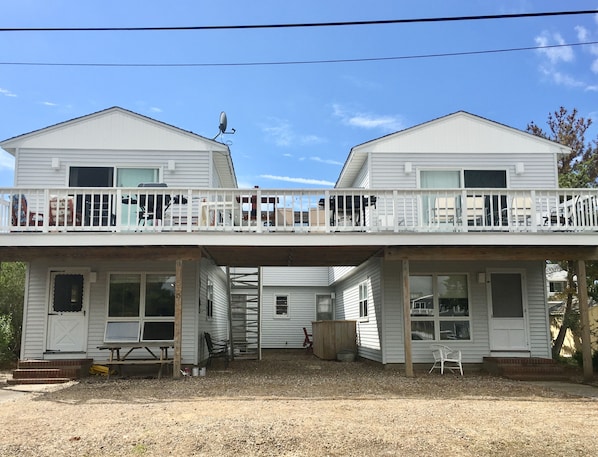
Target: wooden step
[(526, 368), (30, 381), (49, 371)]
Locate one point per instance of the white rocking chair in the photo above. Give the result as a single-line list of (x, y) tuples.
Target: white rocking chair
[(444, 356)]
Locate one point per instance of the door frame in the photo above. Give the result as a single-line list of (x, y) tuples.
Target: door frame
[(50, 315), (524, 321)]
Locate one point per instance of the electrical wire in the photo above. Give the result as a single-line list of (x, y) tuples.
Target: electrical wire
[(298, 25), (297, 62)]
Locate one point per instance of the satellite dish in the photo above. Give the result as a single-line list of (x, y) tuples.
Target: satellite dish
[(223, 122), (222, 126)]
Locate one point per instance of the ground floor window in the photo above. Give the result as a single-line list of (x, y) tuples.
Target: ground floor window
[(210, 299), (363, 300), (140, 307), (282, 306), (440, 307)]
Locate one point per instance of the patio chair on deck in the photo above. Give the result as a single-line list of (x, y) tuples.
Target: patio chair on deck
[(445, 357), (21, 216), (308, 341), (217, 349)]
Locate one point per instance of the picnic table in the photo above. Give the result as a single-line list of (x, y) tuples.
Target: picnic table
[(128, 354)]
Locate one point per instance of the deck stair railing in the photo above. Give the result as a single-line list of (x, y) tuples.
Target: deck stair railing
[(245, 312)]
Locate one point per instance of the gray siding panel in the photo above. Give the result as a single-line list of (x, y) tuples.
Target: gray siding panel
[(34, 165), (295, 276), (36, 313), (369, 331), (287, 332), (479, 346), (37, 299), (388, 169)]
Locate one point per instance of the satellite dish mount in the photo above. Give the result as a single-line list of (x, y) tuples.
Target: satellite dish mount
[(222, 126)]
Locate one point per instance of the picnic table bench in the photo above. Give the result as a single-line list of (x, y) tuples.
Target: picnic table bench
[(126, 358)]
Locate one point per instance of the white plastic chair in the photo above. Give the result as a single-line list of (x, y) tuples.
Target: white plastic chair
[(444, 356)]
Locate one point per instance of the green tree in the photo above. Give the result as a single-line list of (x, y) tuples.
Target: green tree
[(578, 169), (12, 290)]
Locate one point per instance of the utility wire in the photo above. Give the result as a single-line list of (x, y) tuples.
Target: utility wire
[(295, 62), (297, 25)]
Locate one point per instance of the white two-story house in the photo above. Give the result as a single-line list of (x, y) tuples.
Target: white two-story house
[(135, 232)]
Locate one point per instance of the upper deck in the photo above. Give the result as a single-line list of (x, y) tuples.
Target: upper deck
[(270, 219)]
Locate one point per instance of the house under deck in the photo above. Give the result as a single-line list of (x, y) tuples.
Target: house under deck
[(417, 225)]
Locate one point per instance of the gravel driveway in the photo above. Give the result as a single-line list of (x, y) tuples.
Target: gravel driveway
[(293, 404)]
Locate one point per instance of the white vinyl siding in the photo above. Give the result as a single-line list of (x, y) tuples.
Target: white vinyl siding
[(369, 339), (34, 166), (280, 333), (121, 139), (388, 169), (479, 346), (295, 276), (194, 323)]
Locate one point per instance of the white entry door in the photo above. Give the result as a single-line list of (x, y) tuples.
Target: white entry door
[(508, 322), (67, 320)]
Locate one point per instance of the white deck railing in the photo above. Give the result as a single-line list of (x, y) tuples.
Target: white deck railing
[(149, 209)]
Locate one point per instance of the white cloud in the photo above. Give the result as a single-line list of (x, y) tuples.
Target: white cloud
[(561, 78), (555, 55), (326, 161), (367, 120), (7, 93), (281, 133), (49, 104), (154, 109), (582, 33), (318, 182)]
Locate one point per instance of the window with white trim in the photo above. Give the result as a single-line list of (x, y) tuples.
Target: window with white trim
[(140, 307), (440, 307), (281, 306), (363, 300)]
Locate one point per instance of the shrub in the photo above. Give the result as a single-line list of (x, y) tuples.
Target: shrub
[(578, 357), (6, 340)]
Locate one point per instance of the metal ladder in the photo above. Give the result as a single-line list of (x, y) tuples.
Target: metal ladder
[(245, 287)]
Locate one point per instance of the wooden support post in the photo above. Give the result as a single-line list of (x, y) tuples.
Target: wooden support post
[(178, 319), (407, 319), (584, 312)]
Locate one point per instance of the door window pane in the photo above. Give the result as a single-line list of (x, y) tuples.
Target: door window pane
[(132, 177), (507, 299), (494, 179), (436, 179), (68, 293)]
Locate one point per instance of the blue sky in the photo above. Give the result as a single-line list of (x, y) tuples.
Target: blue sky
[(295, 124)]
